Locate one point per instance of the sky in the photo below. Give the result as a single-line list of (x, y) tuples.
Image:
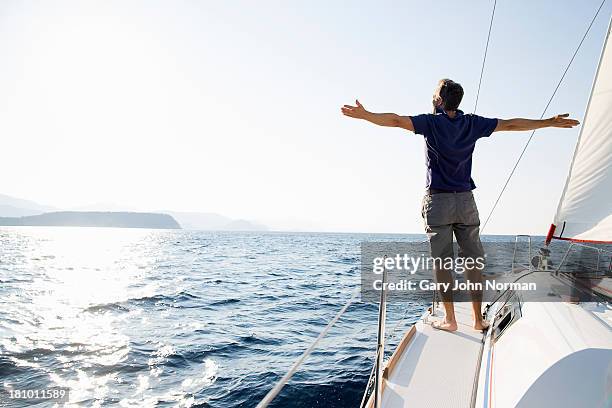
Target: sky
[(234, 107)]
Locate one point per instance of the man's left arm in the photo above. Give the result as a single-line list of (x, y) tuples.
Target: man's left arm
[(519, 124)]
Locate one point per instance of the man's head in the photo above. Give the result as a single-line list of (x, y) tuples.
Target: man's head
[(448, 95)]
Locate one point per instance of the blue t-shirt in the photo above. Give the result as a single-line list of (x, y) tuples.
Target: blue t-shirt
[(449, 144)]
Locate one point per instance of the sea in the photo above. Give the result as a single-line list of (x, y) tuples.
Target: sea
[(120, 317)]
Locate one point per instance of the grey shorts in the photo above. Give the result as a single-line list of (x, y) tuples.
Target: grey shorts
[(446, 214)]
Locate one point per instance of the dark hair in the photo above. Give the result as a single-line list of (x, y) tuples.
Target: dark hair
[(450, 93)]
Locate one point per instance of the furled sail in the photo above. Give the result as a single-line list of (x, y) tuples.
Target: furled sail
[(585, 209)]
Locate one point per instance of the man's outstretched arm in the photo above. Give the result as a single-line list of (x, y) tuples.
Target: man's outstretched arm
[(381, 119), (518, 124)]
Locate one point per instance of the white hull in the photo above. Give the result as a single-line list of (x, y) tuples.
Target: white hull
[(556, 355)]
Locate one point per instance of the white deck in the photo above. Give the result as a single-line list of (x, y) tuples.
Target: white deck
[(437, 369)]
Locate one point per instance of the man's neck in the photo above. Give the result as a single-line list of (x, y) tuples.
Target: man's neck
[(450, 114)]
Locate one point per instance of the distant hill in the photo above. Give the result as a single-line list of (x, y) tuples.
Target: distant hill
[(16, 211), (106, 207), (16, 207), (95, 219), (214, 222)]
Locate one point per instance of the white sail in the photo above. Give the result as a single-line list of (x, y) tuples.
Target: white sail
[(585, 209)]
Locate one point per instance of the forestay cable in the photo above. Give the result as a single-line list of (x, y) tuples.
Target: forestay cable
[(484, 59), (541, 116)]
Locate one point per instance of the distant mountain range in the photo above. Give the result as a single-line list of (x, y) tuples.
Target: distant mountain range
[(15, 211), (95, 219), (16, 207), (213, 222)]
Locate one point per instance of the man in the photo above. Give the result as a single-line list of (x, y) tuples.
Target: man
[(448, 206)]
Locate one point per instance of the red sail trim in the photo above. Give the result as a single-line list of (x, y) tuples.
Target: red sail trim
[(586, 241), (551, 232)]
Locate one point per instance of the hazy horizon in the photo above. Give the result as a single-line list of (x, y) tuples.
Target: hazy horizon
[(266, 228), (233, 108)]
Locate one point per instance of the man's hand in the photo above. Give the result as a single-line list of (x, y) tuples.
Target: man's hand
[(519, 124), (357, 112), (561, 121), (381, 119)]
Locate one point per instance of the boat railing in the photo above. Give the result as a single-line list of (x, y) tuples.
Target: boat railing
[(516, 241), (505, 296), (377, 374), (434, 303), (601, 253), (369, 384), (380, 347), (531, 267)]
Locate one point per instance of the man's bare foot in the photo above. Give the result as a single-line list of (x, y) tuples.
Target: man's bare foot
[(444, 325), (481, 325)]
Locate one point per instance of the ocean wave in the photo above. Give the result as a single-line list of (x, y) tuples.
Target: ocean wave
[(254, 339), (223, 302), (9, 367), (346, 260), (107, 307)]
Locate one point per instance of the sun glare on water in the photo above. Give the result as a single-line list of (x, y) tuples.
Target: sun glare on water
[(75, 283)]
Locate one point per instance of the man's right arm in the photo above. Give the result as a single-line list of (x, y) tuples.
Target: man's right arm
[(519, 124), (380, 119)]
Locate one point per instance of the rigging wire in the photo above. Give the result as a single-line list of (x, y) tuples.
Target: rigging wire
[(541, 116), (392, 334), (484, 59), (281, 383)]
